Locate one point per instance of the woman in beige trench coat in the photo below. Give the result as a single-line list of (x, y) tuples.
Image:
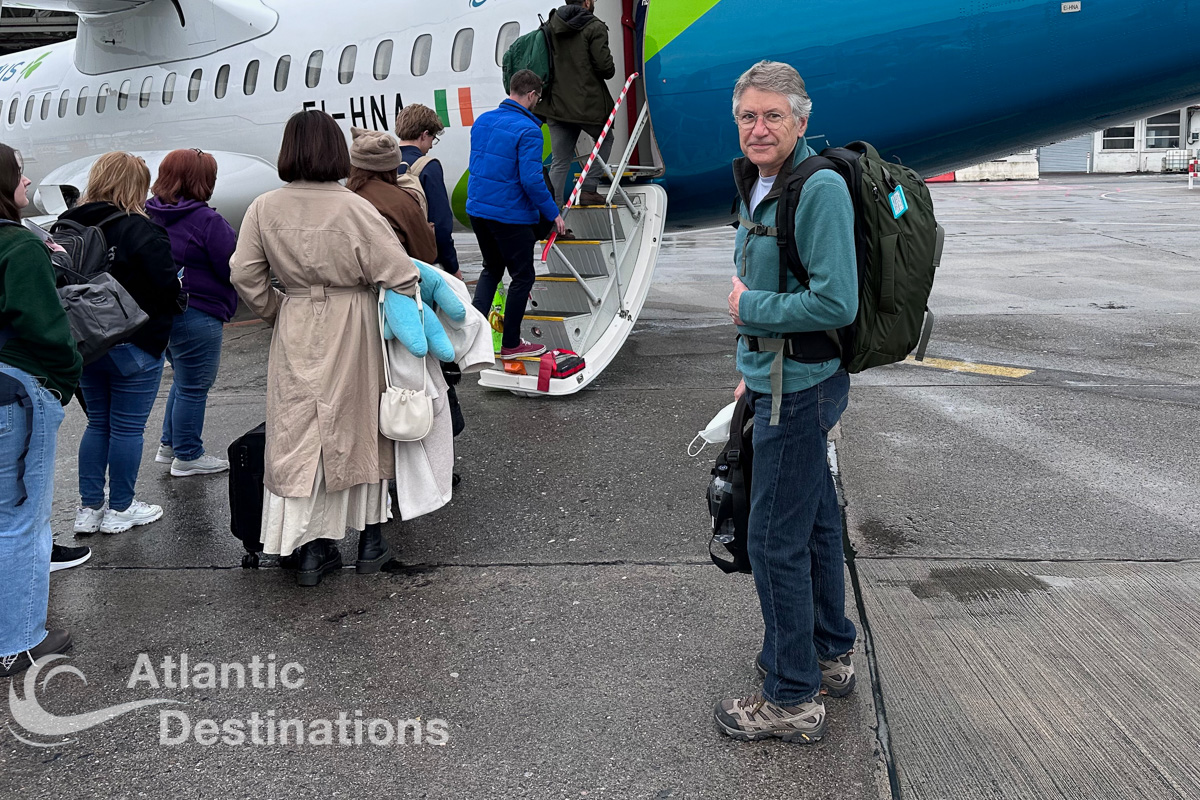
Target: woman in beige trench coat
[(327, 465)]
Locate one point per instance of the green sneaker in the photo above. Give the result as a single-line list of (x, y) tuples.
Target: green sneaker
[(751, 718), (837, 674)]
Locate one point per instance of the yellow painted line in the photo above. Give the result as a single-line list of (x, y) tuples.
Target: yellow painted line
[(578, 241), (967, 366), (556, 279), (545, 319)]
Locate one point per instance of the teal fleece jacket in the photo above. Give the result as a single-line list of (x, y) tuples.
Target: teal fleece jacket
[(825, 240)]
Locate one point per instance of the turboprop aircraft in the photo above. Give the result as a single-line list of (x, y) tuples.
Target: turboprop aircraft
[(935, 83)]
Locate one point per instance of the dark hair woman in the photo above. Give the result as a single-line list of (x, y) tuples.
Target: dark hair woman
[(201, 244), (327, 465), (39, 367), (120, 387)]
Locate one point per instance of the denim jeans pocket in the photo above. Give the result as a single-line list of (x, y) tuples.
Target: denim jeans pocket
[(129, 359), (833, 393), (8, 414)]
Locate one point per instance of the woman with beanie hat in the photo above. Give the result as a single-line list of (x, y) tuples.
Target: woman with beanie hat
[(374, 159)]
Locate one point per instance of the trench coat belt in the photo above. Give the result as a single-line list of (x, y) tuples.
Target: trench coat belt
[(319, 293)]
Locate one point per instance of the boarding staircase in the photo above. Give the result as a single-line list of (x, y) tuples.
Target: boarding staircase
[(590, 289)]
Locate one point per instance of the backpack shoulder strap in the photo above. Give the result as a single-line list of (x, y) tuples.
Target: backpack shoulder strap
[(785, 219), (419, 165), (116, 215)]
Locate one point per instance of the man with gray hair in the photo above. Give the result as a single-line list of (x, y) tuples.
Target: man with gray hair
[(795, 528)]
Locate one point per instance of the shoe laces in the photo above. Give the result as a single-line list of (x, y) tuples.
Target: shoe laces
[(8, 661)]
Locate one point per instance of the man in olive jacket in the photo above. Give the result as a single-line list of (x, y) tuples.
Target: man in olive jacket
[(579, 99)]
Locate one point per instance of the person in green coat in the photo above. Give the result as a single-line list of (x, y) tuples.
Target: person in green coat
[(579, 100), (39, 368)]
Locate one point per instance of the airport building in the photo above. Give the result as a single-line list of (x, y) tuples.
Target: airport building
[(1161, 143)]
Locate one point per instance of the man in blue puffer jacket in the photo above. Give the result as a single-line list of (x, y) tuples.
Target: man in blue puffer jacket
[(506, 198)]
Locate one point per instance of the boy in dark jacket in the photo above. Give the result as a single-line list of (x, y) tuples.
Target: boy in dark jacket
[(580, 100), (506, 198)]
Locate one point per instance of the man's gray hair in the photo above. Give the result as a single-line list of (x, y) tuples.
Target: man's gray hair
[(775, 76)]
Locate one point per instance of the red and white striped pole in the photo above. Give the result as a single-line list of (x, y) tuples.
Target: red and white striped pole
[(595, 150)]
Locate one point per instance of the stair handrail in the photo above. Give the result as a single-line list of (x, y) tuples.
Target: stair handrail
[(595, 150), (634, 135)]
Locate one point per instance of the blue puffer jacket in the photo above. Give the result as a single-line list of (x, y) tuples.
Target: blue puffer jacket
[(506, 183)]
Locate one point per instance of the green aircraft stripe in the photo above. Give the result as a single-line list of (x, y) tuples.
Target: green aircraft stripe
[(669, 18), (439, 103)]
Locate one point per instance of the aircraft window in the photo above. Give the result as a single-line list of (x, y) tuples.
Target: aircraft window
[(102, 98), (346, 65), (123, 95), (12, 110), (46, 106), (313, 75), (250, 82), (383, 59), (420, 54), (81, 104), (194, 85), (29, 108), (147, 87), (282, 67), (64, 103), (509, 32), (460, 56), (169, 89), (222, 82)]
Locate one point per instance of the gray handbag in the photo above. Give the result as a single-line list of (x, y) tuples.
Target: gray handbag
[(101, 313)]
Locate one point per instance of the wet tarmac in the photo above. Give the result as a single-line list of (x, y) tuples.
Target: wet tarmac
[(561, 615)]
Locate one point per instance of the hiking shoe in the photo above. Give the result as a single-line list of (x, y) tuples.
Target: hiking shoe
[(591, 199), (751, 718), (87, 520), (837, 674), (523, 349), (166, 454), (138, 513), (63, 557), (204, 465), (57, 641)]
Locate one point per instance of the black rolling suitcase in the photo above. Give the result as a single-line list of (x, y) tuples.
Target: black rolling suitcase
[(246, 491)]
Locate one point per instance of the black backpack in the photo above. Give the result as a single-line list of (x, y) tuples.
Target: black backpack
[(898, 246), (88, 253), (729, 493)]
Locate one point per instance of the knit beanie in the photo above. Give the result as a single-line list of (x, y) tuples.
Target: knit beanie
[(374, 150)]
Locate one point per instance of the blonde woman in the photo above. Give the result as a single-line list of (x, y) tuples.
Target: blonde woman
[(119, 388)]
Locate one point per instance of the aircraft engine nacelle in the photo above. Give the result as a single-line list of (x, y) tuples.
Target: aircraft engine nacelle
[(240, 179)]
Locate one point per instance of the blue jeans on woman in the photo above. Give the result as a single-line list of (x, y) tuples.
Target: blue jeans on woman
[(119, 388), (795, 540), (195, 355), (29, 420)]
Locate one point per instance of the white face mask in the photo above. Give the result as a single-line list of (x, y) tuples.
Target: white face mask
[(716, 432)]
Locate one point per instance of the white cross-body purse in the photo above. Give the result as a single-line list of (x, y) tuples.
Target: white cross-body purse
[(405, 415)]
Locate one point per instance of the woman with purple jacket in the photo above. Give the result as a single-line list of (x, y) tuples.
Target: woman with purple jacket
[(201, 242)]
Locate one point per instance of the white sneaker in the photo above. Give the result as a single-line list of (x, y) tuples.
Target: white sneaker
[(166, 454), (87, 520), (138, 513), (204, 465)]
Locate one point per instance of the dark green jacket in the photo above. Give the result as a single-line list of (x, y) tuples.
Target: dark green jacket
[(42, 344), (582, 63)]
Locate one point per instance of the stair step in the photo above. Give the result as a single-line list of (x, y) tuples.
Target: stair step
[(560, 331), (554, 295), (591, 222), (591, 258)]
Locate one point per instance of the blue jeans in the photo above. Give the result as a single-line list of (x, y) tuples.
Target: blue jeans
[(795, 540), (195, 354), (29, 420), (119, 389)]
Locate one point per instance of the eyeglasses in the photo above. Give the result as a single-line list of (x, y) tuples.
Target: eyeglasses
[(772, 119), (434, 136)]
